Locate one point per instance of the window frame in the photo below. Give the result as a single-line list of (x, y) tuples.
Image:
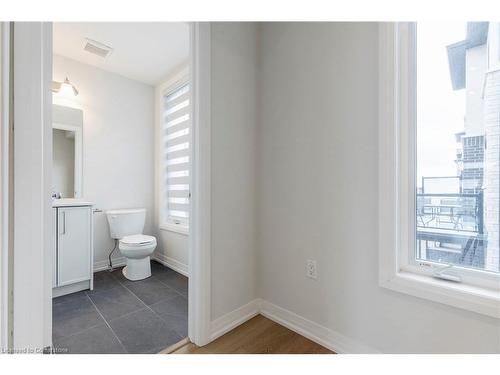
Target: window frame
[(479, 291), (169, 86)]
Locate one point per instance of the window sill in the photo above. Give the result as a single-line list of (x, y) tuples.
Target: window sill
[(480, 300), (177, 228)]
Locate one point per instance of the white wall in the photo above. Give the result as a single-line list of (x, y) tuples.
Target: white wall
[(233, 121), (118, 147), (317, 195), (172, 250)]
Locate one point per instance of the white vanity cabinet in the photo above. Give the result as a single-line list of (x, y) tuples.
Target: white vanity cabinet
[(72, 247)]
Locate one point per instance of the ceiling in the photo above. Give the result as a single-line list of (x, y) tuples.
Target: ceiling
[(145, 52)]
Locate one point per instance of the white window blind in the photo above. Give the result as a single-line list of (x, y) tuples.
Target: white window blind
[(175, 154)]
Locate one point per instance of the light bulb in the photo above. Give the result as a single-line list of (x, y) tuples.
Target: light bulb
[(66, 90)]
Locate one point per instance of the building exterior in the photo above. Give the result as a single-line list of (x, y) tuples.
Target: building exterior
[(475, 67)]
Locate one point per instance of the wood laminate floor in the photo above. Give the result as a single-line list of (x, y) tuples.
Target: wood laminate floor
[(259, 335)]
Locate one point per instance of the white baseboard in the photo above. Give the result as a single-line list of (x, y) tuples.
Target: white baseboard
[(233, 319), (332, 340), (171, 263), (103, 265)]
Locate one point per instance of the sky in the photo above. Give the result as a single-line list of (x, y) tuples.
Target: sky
[(440, 110)]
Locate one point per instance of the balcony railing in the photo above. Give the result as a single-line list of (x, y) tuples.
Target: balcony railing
[(454, 212), (450, 228)]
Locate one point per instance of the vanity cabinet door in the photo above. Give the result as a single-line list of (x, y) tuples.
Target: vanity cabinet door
[(73, 246)]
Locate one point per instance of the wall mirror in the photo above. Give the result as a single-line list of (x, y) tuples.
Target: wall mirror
[(67, 149)]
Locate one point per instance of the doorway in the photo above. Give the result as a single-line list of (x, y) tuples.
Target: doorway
[(38, 334)]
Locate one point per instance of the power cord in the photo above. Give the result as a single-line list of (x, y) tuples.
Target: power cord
[(111, 269)]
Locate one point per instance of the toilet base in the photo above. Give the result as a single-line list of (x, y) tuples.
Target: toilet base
[(137, 269)]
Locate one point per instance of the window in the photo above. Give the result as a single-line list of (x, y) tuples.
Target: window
[(439, 171), (458, 180), (174, 155)]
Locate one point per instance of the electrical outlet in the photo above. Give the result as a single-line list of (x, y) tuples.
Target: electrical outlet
[(311, 270)]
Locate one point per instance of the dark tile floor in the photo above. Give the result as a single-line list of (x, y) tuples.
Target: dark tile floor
[(122, 316)]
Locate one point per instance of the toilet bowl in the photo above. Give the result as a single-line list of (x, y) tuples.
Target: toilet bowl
[(127, 226), (137, 248)]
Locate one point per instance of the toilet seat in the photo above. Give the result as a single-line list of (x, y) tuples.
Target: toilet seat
[(137, 248), (137, 240)]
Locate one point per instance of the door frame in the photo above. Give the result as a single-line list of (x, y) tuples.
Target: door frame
[(199, 305), (5, 186), (32, 315), (32, 224)]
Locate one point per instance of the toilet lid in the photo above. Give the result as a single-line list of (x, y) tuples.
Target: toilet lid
[(137, 239)]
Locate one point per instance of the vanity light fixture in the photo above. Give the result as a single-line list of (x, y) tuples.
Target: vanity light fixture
[(65, 88)]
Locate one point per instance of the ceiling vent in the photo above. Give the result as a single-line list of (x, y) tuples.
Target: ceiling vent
[(97, 48)]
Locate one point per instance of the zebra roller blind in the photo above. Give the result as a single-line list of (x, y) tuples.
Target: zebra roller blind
[(176, 143)]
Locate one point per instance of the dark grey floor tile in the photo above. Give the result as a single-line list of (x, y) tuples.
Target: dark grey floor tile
[(105, 280), (73, 313), (97, 340), (118, 274), (150, 290), (69, 298), (78, 326), (175, 313), (175, 281), (116, 302), (157, 267), (144, 332), (175, 306)]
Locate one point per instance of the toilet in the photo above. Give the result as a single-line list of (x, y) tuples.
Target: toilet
[(127, 226)]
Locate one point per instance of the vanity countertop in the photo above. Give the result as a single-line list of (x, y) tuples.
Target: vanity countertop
[(69, 202)]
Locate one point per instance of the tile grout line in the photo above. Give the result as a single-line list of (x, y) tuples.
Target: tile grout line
[(85, 329), (176, 294), (136, 296), (175, 290), (154, 312), (158, 315), (122, 284), (160, 281), (168, 286), (109, 326), (78, 332), (150, 309)]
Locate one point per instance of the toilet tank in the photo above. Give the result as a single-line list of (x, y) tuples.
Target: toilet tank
[(126, 222)]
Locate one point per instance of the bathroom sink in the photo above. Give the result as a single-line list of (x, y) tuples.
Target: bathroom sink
[(68, 202)]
